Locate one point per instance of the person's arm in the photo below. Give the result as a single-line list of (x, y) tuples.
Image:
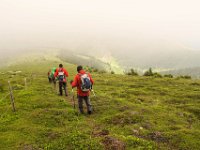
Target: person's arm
[(56, 73), (92, 81), (75, 82), (66, 73)]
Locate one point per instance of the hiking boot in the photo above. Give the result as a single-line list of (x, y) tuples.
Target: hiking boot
[(89, 112)]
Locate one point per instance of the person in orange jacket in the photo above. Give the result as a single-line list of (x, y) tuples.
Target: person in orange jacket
[(61, 75), (83, 81)]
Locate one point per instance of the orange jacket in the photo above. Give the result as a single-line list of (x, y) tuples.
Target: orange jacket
[(77, 83)]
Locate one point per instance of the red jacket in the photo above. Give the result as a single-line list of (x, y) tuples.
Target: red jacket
[(77, 83), (64, 70)]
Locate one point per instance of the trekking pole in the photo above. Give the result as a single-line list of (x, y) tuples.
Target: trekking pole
[(93, 93), (94, 96), (73, 99)]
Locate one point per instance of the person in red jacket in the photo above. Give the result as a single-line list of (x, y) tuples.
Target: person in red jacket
[(83, 81), (61, 75)]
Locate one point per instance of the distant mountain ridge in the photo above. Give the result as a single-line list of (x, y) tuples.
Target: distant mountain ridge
[(181, 62), (163, 59)]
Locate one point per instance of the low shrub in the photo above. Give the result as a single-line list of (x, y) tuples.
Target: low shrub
[(148, 72), (157, 75), (184, 77), (168, 75), (132, 72)]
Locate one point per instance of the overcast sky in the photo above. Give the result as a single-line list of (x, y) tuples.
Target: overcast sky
[(32, 24)]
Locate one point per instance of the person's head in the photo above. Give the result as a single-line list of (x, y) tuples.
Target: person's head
[(60, 65), (79, 68)]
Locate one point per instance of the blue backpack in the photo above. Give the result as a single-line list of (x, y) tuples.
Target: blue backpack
[(85, 82)]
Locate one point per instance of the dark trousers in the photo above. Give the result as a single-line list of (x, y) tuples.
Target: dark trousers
[(54, 82), (63, 85), (87, 102), (49, 80)]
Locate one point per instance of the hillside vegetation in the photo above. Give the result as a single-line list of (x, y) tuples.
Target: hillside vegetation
[(129, 112)]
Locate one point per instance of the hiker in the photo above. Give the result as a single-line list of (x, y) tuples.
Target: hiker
[(61, 75), (83, 81), (53, 79), (49, 75)]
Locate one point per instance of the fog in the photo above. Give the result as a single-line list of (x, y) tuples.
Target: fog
[(99, 25)]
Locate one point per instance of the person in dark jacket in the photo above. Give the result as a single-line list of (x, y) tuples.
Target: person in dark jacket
[(81, 93)]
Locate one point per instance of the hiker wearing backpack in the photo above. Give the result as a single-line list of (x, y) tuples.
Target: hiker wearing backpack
[(61, 75), (53, 79), (49, 76), (83, 81)]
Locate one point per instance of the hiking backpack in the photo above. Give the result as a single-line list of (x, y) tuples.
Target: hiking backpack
[(85, 82), (61, 75)]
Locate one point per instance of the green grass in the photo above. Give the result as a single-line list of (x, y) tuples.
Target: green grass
[(129, 112)]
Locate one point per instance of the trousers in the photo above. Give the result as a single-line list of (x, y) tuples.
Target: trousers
[(61, 86), (87, 102)]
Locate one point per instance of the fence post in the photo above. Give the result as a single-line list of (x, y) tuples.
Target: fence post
[(25, 84), (11, 97)]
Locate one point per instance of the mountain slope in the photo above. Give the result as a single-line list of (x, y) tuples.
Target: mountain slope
[(129, 112), (105, 63)]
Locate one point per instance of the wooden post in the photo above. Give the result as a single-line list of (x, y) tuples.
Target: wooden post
[(11, 97), (25, 84)]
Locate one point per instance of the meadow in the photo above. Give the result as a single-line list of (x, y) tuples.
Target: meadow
[(130, 112)]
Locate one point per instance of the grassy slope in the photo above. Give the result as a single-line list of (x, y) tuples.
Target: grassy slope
[(138, 112)]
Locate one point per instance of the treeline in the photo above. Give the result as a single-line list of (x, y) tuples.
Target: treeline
[(132, 72), (150, 73)]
